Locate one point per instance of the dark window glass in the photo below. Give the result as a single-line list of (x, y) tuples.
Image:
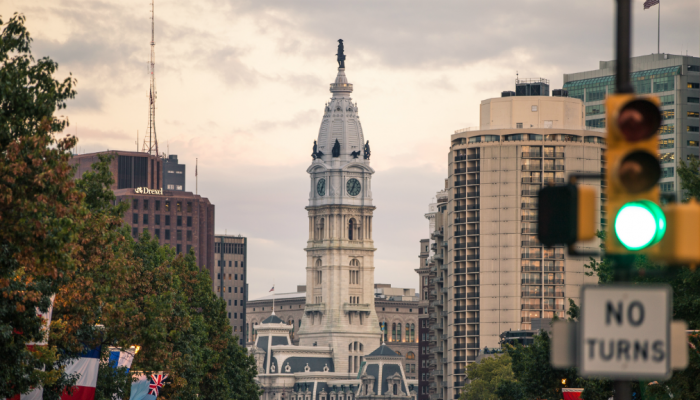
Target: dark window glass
[(167, 234), (189, 247), (145, 204), (189, 235), (235, 276), (179, 220), (693, 99), (189, 206), (158, 219), (135, 218), (189, 221), (235, 290), (135, 232), (179, 206), (218, 276), (135, 204), (158, 233), (167, 206), (179, 235), (179, 248), (157, 205), (145, 218), (236, 264), (229, 263), (140, 171), (229, 289), (167, 220), (124, 165)]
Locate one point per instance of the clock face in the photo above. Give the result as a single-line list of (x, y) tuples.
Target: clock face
[(321, 187), (353, 187)]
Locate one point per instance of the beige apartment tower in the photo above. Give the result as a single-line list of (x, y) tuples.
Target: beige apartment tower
[(497, 275)]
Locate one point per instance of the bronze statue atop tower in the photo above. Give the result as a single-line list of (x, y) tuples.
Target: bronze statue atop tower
[(341, 55)]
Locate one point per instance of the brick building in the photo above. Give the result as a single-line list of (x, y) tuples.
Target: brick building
[(182, 220)]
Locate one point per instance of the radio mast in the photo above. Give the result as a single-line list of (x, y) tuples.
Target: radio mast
[(152, 145)]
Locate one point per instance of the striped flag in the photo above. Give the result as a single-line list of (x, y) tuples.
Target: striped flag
[(273, 289), (650, 3), (122, 358), (87, 366)]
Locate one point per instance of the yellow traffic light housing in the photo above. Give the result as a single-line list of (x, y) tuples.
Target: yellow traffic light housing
[(633, 174), (681, 244)]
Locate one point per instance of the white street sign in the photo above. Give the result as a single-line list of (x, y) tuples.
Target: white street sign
[(625, 331)]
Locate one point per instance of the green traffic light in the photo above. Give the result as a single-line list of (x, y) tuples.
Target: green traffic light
[(640, 224)]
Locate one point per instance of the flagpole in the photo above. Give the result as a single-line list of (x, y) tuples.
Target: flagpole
[(658, 31)]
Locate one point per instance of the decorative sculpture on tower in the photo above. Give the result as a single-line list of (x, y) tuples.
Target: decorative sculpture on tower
[(367, 152), (336, 149), (341, 55), (313, 153)]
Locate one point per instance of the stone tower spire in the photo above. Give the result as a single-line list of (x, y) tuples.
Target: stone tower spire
[(340, 251)]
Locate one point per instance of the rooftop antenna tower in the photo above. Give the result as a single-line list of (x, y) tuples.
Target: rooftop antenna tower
[(152, 145)]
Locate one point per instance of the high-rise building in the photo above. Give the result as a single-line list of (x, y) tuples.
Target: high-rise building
[(497, 276), (182, 220), (231, 254), (675, 80), (173, 173)]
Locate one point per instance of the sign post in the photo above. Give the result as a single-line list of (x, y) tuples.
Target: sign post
[(625, 332)]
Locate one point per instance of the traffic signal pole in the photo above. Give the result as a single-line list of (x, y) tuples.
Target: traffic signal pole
[(622, 265)]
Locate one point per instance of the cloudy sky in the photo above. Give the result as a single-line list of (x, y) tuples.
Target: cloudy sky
[(242, 84)]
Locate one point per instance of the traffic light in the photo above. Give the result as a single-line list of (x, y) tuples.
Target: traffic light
[(633, 174), (681, 244), (566, 214)]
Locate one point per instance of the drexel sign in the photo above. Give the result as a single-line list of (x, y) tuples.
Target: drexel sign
[(145, 190)]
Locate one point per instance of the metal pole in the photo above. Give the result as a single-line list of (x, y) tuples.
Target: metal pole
[(624, 39), (623, 390), (658, 31)]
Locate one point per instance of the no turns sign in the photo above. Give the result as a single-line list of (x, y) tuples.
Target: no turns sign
[(625, 331)]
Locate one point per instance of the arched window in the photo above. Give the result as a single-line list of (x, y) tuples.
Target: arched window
[(411, 356), (413, 332), (407, 336), (398, 333), (393, 332), (351, 228)]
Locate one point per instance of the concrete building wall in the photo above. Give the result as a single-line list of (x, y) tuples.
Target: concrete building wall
[(231, 277)]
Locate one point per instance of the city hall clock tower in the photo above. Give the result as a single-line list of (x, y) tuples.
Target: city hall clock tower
[(340, 251)]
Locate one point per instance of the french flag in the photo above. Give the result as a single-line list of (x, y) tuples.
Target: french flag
[(87, 366)]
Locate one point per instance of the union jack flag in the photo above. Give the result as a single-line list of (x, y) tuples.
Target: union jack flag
[(156, 384)]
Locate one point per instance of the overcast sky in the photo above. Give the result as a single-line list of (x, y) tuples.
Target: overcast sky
[(242, 85)]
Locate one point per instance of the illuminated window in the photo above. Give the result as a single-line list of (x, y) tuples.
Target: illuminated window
[(693, 143)]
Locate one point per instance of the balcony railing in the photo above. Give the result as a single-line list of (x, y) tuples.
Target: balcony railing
[(459, 371), (461, 183), (460, 170), (473, 333), (458, 359), (554, 256), (473, 181), (473, 157), (472, 232), (460, 295), (528, 217), (531, 255), (461, 158), (461, 283), (473, 308), (528, 206), (460, 208), (461, 333), (473, 270), (553, 281), (460, 345), (472, 245), (460, 195), (473, 346), (460, 308), (460, 245), (472, 295), (528, 230), (473, 257), (473, 194), (531, 306), (473, 219), (472, 320), (472, 207), (460, 270), (460, 220), (473, 169), (554, 180), (553, 294), (460, 258), (528, 243), (531, 180), (553, 167), (529, 192), (531, 168), (460, 320), (473, 282), (549, 154), (531, 281), (553, 306), (531, 154), (460, 232)]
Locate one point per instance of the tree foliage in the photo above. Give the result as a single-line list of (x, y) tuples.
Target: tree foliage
[(486, 376), (66, 237)]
